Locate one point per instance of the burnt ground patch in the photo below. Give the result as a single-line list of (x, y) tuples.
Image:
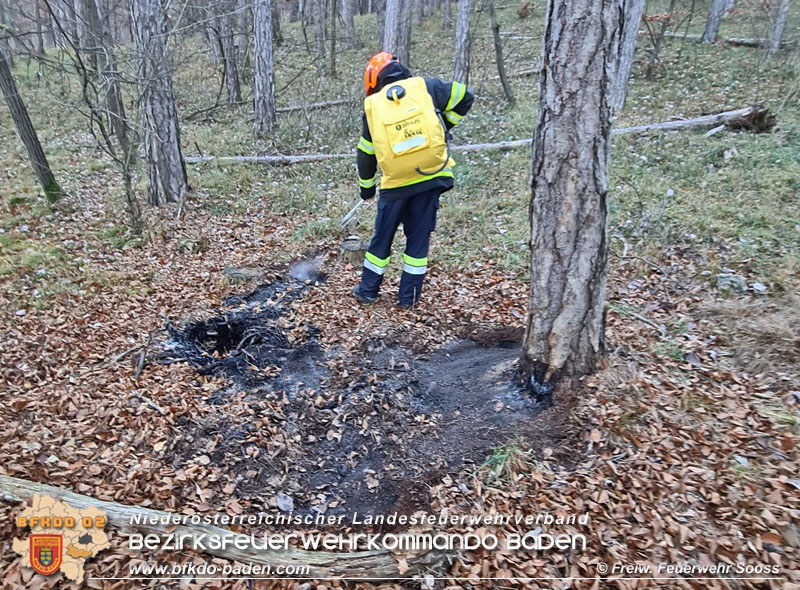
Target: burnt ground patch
[(281, 425)]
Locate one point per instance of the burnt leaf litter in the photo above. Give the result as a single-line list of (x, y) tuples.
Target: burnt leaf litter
[(373, 445)]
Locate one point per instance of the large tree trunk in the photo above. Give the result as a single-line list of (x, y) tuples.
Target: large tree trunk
[(263, 72), (498, 52), (569, 213), (776, 34), (161, 134), (715, 13), (26, 131), (461, 60), (632, 10), (318, 7)]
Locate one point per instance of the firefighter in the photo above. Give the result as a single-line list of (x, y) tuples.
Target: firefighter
[(406, 128)]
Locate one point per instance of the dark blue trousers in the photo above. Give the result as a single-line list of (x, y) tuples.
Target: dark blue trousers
[(418, 216)]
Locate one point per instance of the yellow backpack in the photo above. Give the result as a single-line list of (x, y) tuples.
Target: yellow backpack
[(407, 133)]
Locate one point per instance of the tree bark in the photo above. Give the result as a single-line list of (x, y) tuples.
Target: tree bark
[(498, 52), (447, 19), (263, 71), (26, 131), (632, 11), (461, 59), (715, 14), (161, 134), (394, 38), (564, 334), (776, 34)]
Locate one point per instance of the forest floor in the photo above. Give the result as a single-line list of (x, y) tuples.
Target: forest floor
[(684, 448)]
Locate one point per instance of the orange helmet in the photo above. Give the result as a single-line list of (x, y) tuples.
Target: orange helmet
[(376, 63)]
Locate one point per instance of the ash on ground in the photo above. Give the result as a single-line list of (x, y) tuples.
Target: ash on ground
[(375, 445)]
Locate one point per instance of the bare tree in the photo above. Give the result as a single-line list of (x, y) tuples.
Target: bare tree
[(659, 39), (498, 52), (161, 134), (332, 61), (715, 14), (318, 8), (277, 35), (263, 72), (26, 131), (564, 336), (776, 34), (226, 31), (348, 14), (461, 59), (244, 28), (6, 28), (39, 37), (447, 19), (404, 54), (380, 15), (632, 17)]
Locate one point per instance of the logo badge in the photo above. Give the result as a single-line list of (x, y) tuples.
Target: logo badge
[(46, 553)]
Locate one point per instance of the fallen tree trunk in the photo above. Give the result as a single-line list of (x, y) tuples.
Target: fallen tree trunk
[(736, 119), (361, 565), (744, 41), (280, 160), (314, 105), (755, 118)]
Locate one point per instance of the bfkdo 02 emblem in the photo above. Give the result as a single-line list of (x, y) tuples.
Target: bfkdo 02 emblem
[(46, 553)]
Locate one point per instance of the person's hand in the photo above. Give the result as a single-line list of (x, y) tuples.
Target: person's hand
[(367, 193)]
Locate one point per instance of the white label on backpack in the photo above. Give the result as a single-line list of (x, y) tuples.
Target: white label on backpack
[(404, 146)]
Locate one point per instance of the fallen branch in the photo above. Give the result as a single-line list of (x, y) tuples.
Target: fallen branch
[(754, 118), (362, 565)]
